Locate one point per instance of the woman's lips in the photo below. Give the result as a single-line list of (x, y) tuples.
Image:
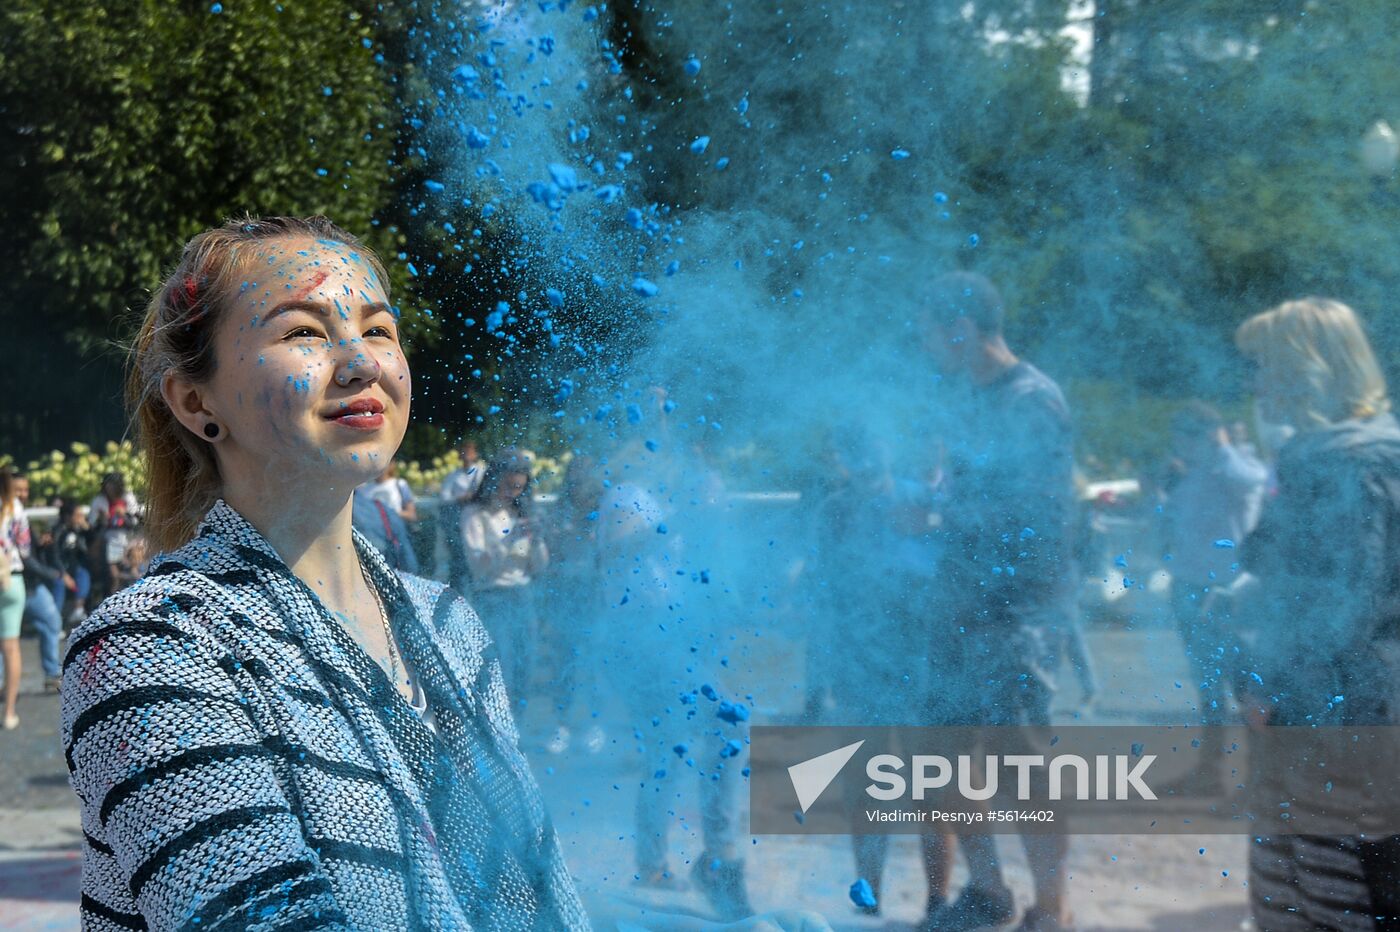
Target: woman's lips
[(360, 421)]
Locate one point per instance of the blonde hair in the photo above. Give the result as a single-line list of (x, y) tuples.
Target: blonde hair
[(1317, 348), (177, 336)]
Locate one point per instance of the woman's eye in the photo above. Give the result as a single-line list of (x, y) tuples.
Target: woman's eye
[(301, 332), (379, 332)]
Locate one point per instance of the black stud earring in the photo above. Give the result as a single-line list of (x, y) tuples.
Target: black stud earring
[(211, 430)]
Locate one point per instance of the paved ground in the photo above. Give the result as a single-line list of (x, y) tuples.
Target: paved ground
[(1117, 882)]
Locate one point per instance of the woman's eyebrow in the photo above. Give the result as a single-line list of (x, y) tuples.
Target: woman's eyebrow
[(313, 307), (310, 307)]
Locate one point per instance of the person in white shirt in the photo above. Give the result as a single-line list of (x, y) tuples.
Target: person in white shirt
[(113, 515), (393, 492), (457, 490), (505, 556), (14, 547)]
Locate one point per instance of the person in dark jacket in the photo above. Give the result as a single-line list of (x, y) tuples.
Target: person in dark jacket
[(1329, 598), (73, 541)]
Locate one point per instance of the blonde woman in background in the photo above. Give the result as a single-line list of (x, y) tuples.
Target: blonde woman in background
[(1328, 600), (14, 547)]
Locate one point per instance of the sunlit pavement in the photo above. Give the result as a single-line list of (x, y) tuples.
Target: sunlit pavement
[(1116, 882)]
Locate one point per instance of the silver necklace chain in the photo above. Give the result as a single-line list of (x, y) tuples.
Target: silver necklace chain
[(388, 630)]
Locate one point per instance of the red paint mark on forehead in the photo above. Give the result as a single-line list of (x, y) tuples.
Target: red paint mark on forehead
[(316, 281)]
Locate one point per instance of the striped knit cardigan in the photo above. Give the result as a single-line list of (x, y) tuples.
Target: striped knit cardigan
[(242, 763)]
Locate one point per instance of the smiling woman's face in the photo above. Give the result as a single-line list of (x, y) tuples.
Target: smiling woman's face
[(309, 373)]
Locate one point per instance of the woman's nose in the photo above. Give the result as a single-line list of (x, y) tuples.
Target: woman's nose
[(356, 361)]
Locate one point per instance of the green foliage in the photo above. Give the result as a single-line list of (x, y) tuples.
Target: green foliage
[(134, 124), (77, 474)]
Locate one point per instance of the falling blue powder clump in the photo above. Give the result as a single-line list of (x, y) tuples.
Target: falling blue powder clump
[(673, 267), (465, 74), (554, 296), (437, 187), (708, 692), (608, 193), (692, 66), (899, 155), (973, 240), (563, 176), (722, 164), (497, 317), (1225, 543), (733, 712), (216, 8), (633, 218), (940, 197), (731, 749), (862, 895), (476, 139), (645, 288), (700, 144), (680, 750)]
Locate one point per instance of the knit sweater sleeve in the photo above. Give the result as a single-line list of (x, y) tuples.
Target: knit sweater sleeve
[(186, 825)]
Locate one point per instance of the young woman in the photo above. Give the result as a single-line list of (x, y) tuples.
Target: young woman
[(1328, 599), (505, 555), (14, 547), (271, 728)]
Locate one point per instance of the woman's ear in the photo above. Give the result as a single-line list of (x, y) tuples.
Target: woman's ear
[(186, 400)]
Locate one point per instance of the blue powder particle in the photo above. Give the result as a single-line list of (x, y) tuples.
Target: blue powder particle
[(743, 105), (608, 193), (661, 529), (899, 154), (437, 187), (645, 288), (476, 139), (940, 197), (692, 66), (634, 414), (973, 240), (731, 748), (554, 296), (862, 895), (411, 270), (708, 692), (700, 144), (722, 164), (680, 750), (633, 218), (328, 91), (668, 406), (367, 43), (652, 445), (1225, 544), (673, 267), (733, 712), (465, 74), (216, 8), (590, 14), (563, 176)]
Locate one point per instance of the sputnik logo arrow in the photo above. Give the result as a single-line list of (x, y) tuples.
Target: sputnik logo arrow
[(811, 777)]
